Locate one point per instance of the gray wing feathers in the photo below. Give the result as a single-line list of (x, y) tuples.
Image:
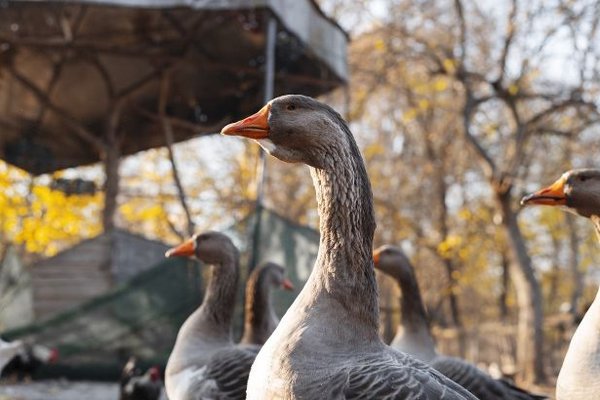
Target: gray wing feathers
[(519, 393), (478, 382), (227, 373), (409, 380), (230, 370)]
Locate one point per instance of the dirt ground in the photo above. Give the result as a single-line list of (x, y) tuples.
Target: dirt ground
[(61, 390), (66, 390)]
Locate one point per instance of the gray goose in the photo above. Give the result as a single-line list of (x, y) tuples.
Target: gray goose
[(205, 363), (260, 319), (327, 344), (578, 191), (414, 336)]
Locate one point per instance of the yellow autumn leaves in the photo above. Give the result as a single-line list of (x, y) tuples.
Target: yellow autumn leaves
[(41, 219)]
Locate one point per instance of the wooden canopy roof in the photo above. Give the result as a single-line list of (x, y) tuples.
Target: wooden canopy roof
[(71, 72)]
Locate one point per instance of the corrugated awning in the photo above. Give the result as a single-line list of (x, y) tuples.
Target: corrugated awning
[(66, 66)]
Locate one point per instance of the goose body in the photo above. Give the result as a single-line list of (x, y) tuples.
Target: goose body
[(414, 335), (578, 191), (327, 345), (579, 376)]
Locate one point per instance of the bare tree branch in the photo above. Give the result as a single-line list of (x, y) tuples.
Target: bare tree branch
[(510, 34), (458, 6), (69, 120), (168, 131)]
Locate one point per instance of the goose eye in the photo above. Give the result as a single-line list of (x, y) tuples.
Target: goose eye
[(583, 178), (290, 107)]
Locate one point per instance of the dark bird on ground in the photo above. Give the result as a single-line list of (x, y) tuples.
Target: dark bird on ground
[(19, 360), (137, 386)]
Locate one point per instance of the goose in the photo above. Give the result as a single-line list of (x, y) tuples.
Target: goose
[(414, 336), (327, 344), (260, 319), (578, 191), (205, 363)]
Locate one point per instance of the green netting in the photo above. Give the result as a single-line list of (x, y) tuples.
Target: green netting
[(143, 316), (283, 241), (139, 318)]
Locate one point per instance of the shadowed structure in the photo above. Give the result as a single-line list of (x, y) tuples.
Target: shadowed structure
[(81, 77)]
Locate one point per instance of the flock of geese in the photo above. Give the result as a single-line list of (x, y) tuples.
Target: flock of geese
[(327, 344)]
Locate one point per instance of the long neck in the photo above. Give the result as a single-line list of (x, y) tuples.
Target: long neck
[(219, 301), (213, 318), (414, 316), (209, 327), (413, 335), (259, 318), (344, 264)]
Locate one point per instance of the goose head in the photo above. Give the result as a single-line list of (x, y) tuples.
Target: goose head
[(392, 261), (45, 354), (577, 191), (274, 275), (208, 247), (154, 374), (294, 129)]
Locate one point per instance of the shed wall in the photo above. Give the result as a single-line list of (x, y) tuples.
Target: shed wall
[(71, 277), (134, 254)]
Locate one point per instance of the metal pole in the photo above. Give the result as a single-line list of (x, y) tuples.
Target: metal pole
[(269, 77), (268, 95)]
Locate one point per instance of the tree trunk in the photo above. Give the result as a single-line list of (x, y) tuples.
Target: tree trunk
[(530, 329), (112, 160), (503, 298), (552, 301), (576, 274), (454, 309), (436, 160), (450, 267)]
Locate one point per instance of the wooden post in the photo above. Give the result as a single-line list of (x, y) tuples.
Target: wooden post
[(112, 160)]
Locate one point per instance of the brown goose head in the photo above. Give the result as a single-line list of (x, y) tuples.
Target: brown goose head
[(209, 247), (577, 190), (392, 261), (273, 275), (293, 128)]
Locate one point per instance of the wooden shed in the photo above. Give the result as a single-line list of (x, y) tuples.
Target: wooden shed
[(16, 301), (89, 269)]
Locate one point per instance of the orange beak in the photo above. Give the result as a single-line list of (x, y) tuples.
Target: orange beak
[(255, 126), (185, 249), (376, 257), (553, 195), (287, 284)]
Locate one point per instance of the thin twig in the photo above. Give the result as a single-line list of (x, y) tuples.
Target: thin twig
[(168, 131)]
